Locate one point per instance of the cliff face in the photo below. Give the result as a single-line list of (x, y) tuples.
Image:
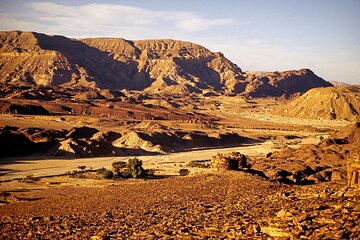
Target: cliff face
[(149, 65), (341, 103)]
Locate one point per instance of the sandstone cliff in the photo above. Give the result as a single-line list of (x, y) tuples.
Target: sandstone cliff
[(28, 58)]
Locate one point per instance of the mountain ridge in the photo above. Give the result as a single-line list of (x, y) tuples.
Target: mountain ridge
[(167, 65)]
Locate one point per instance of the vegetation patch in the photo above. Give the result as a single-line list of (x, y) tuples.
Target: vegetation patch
[(199, 163), (131, 169)]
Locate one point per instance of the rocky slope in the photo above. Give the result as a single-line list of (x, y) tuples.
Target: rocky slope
[(311, 163), (341, 103), (208, 206), (151, 65)]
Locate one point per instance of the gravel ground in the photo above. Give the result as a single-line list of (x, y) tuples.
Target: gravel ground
[(205, 206)]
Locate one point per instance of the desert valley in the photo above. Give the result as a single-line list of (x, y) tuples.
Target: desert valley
[(224, 153)]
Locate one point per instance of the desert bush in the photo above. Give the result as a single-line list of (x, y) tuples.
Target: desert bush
[(184, 172), (73, 174), (150, 172), (199, 164), (117, 166), (131, 169), (30, 179), (81, 175), (119, 169), (82, 167), (134, 168), (105, 173)]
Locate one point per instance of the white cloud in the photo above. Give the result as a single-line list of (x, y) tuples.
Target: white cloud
[(8, 23), (250, 50), (198, 24), (261, 55), (108, 20)]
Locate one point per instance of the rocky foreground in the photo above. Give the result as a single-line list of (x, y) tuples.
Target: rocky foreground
[(209, 206)]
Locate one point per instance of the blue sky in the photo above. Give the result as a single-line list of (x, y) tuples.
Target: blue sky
[(258, 35)]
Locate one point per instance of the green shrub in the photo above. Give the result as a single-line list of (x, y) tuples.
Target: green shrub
[(105, 173), (134, 168), (82, 167), (199, 163), (150, 172), (30, 179), (118, 166)]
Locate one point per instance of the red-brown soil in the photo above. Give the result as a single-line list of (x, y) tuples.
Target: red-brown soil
[(219, 206)]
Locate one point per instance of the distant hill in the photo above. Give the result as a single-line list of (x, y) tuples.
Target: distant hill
[(340, 103), (339, 84), (262, 84), (29, 58)]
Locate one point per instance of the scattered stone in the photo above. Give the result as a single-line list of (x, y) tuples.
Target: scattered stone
[(218, 206), (275, 232), (353, 168), (283, 214), (337, 176)]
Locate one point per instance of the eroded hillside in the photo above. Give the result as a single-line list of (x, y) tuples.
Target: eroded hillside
[(341, 103), (171, 66)]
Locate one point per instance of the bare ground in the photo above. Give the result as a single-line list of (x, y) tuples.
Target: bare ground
[(205, 206)]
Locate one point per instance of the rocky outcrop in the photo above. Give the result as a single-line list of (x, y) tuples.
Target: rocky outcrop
[(310, 164), (230, 161), (176, 67), (335, 103), (353, 168)]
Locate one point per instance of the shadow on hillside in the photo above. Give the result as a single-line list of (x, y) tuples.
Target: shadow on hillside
[(102, 68)]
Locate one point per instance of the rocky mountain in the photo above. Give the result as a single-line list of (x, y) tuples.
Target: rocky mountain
[(29, 58), (341, 103), (262, 84)]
